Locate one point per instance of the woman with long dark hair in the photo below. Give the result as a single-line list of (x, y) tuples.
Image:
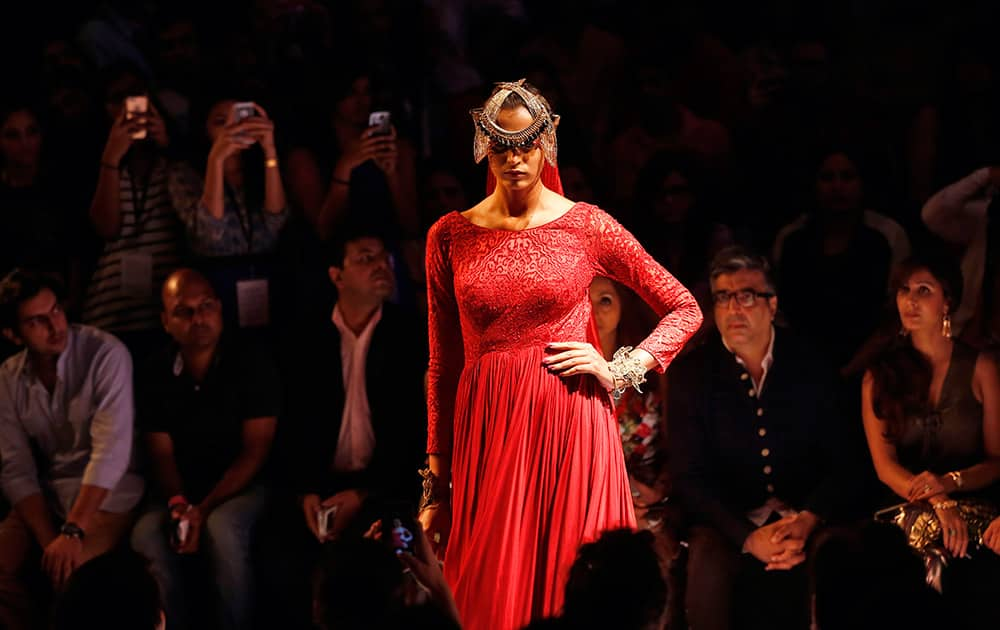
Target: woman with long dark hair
[(931, 409)]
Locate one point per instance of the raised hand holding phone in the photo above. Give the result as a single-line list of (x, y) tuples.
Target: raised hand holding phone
[(136, 108)]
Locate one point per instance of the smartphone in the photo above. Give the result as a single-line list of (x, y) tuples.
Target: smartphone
[(397, 531), (136, 107), (243, 110), (179, 528), (380, 123), (324, 520)]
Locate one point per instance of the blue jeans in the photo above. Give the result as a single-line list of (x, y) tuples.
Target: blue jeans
[(225, 539)]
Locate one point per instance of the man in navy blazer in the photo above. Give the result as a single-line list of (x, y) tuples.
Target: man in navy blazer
[(759, 457)]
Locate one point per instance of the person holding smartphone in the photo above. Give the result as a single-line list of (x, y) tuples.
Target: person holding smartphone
[(357, 165), (237, 207), (133, 215)]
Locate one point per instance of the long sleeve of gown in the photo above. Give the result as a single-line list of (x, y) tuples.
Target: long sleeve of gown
[(618, 255), (447, 353)]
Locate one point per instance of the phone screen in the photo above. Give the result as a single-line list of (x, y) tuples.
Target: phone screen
[(380, 122), (397, 531)]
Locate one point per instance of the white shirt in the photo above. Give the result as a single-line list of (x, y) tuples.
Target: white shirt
[(356, 442), (83, 429), (765, 363)]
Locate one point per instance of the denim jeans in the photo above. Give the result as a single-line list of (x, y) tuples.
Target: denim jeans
[(225, 540)]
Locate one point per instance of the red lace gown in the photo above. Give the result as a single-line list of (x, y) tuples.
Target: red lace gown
[(537, 464)]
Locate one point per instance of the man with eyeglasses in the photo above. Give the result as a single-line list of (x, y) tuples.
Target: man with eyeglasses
[(758, 456), (207, 407), (65, 443), (355, 414)]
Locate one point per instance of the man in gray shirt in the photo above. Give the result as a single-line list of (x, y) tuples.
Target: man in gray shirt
[(66, 416)]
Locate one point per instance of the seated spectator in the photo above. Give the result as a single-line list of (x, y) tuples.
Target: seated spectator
[(929, 404), (868, 577), (65, 442), (959, 213), (238, 207), (114, 591), (355, 400), (845, 249), (39, 232), (678, 220), (132, 213), (622, 320), (207, 407), (615, 582), (758, 455)]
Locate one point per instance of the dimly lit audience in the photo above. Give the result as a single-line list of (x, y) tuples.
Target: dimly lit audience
[(226, 205)]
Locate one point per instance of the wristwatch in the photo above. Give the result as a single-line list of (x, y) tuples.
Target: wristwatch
[(72, 530)]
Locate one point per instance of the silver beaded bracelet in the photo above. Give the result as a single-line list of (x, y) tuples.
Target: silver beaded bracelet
[(626, 369)]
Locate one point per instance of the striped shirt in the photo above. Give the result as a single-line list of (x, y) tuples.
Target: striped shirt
[(149, 227)]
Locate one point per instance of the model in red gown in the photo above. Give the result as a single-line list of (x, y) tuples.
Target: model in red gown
[(536, 459)]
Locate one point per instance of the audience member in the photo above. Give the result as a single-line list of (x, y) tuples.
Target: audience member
[(868, 577), (355, 397), (132, 214), (114, 591), (842, 250), (616, 581), (930, 415), (622, 319), (960, 214), (238, 207), (65, 442), (758, 455), (357, 167), (362, 583), (207, 406), (36, 207), (678, 220)]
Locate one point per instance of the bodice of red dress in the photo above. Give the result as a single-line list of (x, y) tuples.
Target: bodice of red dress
[(499, 291)]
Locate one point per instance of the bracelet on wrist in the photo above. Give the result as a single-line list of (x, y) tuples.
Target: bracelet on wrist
[(271, 163), (626, 371), (945, 505), (434, 489), (110, 166)]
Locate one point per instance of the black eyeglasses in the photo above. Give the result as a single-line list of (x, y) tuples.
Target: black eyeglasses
[(744, 297)]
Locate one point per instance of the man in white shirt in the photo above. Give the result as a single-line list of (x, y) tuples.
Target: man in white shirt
[(357, 390), (355, 414), (66, 426)]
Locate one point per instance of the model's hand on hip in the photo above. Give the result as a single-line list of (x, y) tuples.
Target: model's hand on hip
[(569, 358)]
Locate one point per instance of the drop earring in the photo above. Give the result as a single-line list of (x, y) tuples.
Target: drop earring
[(946, 326)]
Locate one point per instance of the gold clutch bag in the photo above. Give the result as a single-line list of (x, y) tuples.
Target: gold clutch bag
[(923, 529)]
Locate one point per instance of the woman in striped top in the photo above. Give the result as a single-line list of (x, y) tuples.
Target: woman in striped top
[(132, 213)]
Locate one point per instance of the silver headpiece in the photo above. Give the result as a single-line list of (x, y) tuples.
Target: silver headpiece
[(542, 127)]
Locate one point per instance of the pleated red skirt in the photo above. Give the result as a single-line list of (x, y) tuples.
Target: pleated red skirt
[(537, 470)]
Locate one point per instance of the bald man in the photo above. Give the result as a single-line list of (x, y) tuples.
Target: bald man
[(207, 409)]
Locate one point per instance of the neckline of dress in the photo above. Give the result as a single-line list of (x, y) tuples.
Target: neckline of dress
[(526, 229)]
